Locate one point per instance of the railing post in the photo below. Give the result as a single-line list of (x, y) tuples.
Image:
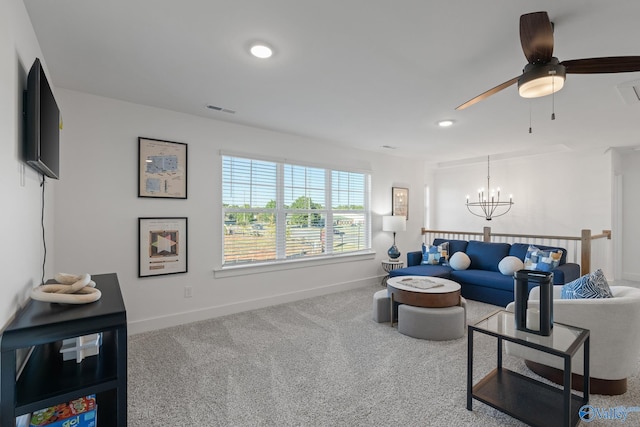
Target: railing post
[(585, 250), (486, 231)]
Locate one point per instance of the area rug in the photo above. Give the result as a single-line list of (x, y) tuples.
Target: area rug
[(317, 362)]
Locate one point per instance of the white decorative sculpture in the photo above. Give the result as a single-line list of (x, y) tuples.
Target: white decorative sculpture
[(80, 347), (70, 289)]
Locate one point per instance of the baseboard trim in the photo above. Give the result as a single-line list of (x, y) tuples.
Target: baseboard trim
[(161, 322), (596, 385)]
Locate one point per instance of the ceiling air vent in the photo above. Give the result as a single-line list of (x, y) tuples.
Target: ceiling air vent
[(216, 108), (630, 91)]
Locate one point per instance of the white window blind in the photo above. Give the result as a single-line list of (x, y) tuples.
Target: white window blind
[(276, 211)]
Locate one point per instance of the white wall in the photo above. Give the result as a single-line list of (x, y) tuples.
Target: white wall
[(97, 209), (21, 248), (630, 245), (554, 194)]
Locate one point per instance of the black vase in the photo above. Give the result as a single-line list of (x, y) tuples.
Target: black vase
[(524, 281)]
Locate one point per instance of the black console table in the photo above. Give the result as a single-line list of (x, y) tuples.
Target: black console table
[(46, 380)]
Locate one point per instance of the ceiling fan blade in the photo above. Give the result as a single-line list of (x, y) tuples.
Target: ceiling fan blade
[(536, 37), (488, 93), (611, 64)]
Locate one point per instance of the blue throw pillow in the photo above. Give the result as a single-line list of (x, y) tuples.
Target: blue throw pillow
[(542, 260), (435, 255), (592, 285), (570, 290)]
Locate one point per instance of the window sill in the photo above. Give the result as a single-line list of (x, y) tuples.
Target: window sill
[(290, 264)]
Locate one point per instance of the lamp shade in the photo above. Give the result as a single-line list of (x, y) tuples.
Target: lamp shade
[(394, 223)]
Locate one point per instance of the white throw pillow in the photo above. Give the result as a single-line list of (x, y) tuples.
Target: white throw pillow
[(459, 261), (509, 265)]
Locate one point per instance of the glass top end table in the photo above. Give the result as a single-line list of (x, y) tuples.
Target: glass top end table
[(531, 401)]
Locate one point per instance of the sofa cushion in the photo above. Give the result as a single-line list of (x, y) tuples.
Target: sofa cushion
[(484, 278), (460, 261), (423, 270), (520, 250), (485, 255), (435, 254), (454, 245), (592, 285), (565, 273), (542, 259), (510, 264)]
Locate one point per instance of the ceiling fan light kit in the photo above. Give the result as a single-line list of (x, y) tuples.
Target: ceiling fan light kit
[(541, 79)]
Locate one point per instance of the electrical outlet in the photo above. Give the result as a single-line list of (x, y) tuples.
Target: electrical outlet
[(188, 291)]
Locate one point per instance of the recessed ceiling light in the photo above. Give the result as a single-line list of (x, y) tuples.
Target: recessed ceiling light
[(260, 50), (445, 123)]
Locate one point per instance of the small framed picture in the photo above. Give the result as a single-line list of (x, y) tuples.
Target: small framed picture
[(400, 201), (162, 246), (162, 169)]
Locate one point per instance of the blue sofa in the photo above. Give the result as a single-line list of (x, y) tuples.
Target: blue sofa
[(482, 281)]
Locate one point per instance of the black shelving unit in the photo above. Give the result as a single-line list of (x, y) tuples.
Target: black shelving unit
[(46, 380)]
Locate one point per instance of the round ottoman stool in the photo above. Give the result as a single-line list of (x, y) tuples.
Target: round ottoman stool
[(381, 306), (438, 324)]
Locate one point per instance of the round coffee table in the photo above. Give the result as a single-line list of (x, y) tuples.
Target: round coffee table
[(423, 291)]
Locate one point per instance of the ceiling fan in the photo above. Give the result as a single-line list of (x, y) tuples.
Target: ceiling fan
[(544, 74)]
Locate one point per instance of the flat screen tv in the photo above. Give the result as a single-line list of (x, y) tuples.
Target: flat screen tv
[(42, 124)]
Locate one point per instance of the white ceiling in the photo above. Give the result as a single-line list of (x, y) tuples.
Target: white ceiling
[(357, 73)]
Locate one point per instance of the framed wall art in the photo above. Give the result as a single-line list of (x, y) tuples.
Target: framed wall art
[(162, 169), (400, 201), (162, 246)]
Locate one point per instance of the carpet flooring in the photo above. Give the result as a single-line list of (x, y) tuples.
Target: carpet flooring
[(317, 362)]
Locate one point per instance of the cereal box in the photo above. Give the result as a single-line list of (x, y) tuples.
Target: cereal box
[(77, 413)]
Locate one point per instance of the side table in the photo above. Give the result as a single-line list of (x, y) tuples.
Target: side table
[(387, 266), (522, 397)]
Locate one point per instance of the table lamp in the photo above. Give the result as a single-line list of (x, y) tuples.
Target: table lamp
[(394, 223)]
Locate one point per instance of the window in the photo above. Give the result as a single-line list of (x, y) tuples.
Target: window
[(276, 211)]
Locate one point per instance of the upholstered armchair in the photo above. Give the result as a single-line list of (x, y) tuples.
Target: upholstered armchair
[(615, 339)]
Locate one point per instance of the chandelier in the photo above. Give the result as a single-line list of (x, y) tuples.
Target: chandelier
[(489, 204)]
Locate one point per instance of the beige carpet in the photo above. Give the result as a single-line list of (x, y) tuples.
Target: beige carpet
[(317, 362)]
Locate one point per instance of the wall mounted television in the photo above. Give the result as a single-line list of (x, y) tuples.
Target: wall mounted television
[(42, 124)]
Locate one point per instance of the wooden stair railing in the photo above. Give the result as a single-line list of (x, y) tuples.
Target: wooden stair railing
[(584, 240)]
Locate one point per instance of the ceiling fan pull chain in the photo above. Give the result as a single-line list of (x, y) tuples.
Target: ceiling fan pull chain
[(530, 117), (553, 99)]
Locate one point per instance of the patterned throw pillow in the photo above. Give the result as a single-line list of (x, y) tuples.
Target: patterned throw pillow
[(435, 254), (542, 259), (570, 290), (592, 285)]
